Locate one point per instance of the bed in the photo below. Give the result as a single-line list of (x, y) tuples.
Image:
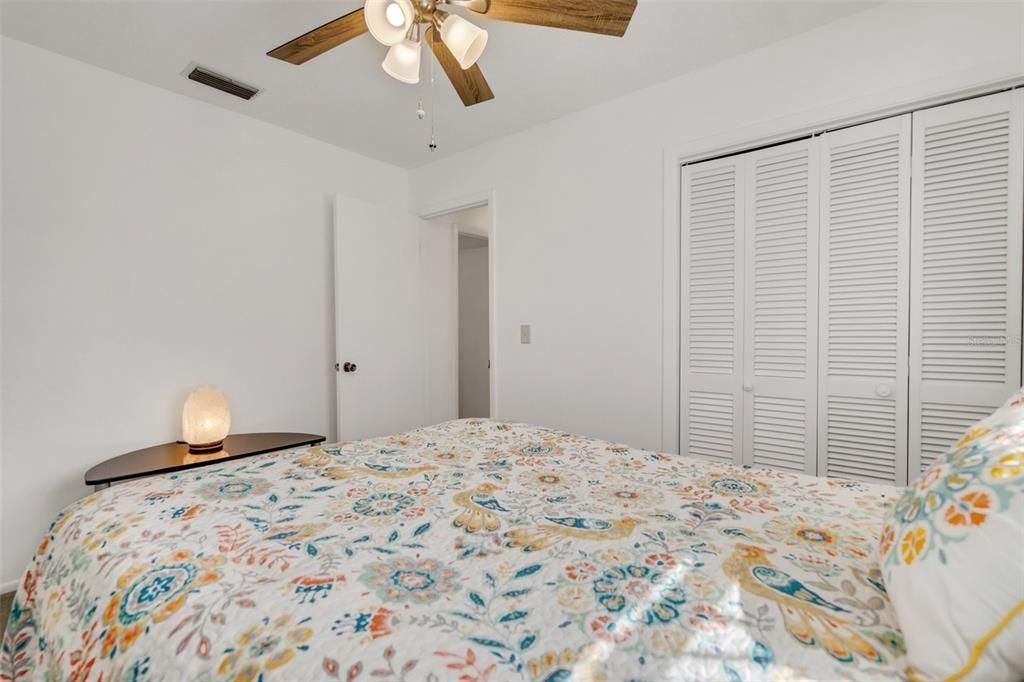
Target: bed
[(472, 550)]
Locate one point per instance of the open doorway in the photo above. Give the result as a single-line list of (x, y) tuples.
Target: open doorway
[(473, 312), (459, 330)]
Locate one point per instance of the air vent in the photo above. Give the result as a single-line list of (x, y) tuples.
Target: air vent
[(223, 84)]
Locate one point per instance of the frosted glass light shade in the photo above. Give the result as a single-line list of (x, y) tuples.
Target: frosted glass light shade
[(380, 16), (465, 40), (403, 62), (205, 419)]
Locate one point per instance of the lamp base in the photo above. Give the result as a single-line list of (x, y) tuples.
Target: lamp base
[(205, 448), (197, 457)]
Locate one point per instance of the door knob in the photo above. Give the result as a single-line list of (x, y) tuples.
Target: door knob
[(348, 367), (748, 387)]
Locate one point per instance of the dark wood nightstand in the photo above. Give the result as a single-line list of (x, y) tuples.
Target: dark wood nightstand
[(163, 459)]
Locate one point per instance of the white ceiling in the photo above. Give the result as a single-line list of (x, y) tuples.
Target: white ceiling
[(343, 97)]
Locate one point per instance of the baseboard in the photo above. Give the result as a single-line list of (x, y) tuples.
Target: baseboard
[(9, 586)]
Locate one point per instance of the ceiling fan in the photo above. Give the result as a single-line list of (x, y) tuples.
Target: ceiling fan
[(455, 41)]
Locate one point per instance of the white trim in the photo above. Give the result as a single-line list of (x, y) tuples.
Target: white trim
[(457, 397), (670, 292), (882, 104), (9, 586), (473, 200), (422, 227), (814, 121)]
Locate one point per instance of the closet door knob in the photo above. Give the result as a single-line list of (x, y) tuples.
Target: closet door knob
[(748, 387), (883, 391)]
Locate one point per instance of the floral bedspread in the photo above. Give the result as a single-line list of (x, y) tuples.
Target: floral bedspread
[(472, 550)]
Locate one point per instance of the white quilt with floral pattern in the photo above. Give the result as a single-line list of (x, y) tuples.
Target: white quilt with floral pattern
[(468, 551)]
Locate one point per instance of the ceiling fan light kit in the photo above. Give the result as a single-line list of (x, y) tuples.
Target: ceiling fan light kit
[(466, 41), (381, 16), (403, 61), (456, 42)]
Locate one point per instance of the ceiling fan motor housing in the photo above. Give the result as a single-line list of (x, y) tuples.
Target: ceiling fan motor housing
[(424, 9)]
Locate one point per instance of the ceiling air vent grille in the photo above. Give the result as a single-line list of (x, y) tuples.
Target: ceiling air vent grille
[(223, 84)]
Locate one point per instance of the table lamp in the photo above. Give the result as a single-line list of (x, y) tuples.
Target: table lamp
[(205, 419)]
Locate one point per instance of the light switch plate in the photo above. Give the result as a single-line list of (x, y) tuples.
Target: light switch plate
[(524, 333)]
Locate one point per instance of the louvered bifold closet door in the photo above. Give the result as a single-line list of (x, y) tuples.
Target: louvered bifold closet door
[(712, 257), (864, 301), (966, 224), (780, 330)]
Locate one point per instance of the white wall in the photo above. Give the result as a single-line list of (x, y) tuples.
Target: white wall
[(151, 243), (579, 201), (474, 326)]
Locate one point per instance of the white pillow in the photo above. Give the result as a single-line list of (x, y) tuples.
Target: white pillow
[(952, 555)]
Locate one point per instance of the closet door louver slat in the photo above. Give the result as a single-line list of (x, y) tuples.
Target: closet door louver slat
[(780, 307), (966, 267), (864, 324), (942, 424), (712, 217)]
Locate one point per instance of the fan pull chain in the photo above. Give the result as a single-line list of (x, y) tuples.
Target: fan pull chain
[(433, 105), (420, 112)]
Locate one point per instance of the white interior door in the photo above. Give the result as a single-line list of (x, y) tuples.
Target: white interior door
[(864, 301), (710, 406), (966, 231), (780, 326), (378, 319)]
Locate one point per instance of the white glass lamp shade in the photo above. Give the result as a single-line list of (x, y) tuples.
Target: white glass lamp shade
[(389, 20), (403, 62), (465, 40), (205, 419)]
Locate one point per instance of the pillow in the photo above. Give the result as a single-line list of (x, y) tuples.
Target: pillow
[(952, 555)]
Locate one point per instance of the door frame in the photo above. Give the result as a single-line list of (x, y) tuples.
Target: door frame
[(475, 200)]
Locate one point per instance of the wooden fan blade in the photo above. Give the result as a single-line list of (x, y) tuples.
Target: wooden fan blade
[(607, 17), (470, 83), (320, 39)]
